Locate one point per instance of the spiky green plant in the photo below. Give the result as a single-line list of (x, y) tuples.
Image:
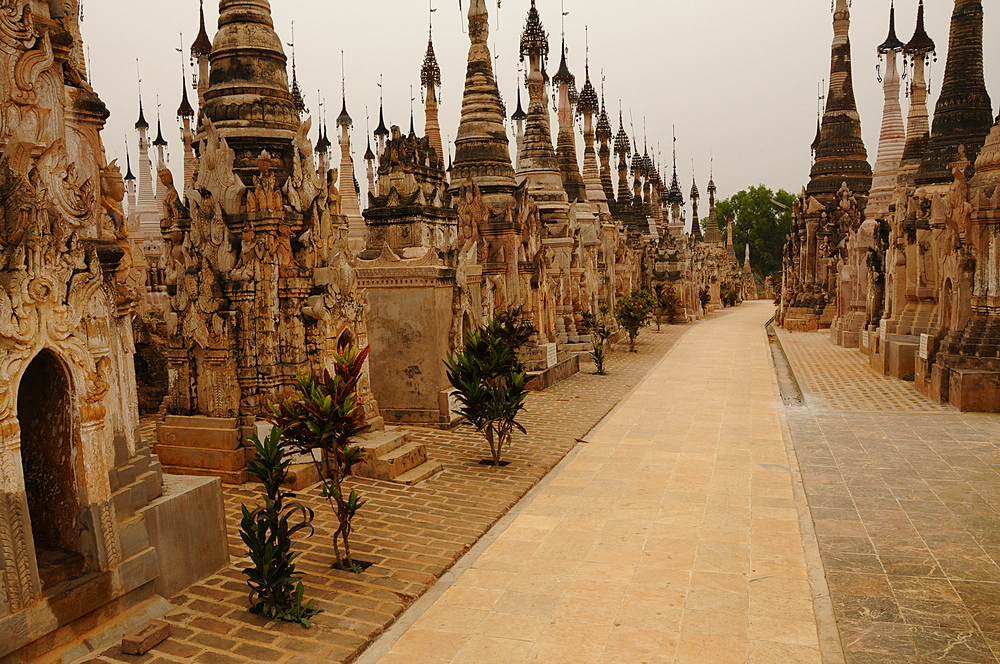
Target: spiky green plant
[(276, 591)]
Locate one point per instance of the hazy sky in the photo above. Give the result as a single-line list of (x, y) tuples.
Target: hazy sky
[(739, 79)]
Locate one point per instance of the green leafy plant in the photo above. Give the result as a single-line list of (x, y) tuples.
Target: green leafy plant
[(276, 591), (319, 419), (600, 333), (704, 297), (633, 313), (668, 304), (489, 378)]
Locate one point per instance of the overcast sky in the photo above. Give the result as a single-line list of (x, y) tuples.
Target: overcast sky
[(738, 79)]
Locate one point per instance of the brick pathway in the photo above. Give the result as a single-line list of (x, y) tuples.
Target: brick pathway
[(673, 536), (906, 503), (414, 534)]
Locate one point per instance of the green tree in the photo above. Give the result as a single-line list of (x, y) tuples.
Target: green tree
[(763, 218), (633, 313)]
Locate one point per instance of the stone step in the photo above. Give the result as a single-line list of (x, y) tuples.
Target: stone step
[(394, 463), (301, 476), (420, 473), (234, 477), (199, 457), (377, 443), (204, 437)]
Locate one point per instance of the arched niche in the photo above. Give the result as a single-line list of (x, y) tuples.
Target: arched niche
[(52, 468)]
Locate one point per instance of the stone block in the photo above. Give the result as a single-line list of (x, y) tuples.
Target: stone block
[(200, 422), (901, 354), (539, 381), (974, 391), (187, 527), (198, 457), (205, 437), (145, 638)]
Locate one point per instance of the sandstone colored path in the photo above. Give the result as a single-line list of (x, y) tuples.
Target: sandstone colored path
[(672, 537)]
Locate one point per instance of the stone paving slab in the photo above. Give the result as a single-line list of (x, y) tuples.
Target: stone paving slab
[(906, 504), (414, 534), (671, 537)]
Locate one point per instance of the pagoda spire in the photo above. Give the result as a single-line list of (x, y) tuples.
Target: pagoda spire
[(482, 149), (430, 80), (695, 218), (623, 149), (604, 136), (381, 132), (566, 142), (918, 51), (201, 49), (589, 106), (537, 157), (712, 232), (964, 113), (350, 205), (840, 153), (297, 98), (892, 140)]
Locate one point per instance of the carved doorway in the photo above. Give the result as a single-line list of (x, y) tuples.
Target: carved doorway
[(48, 459)]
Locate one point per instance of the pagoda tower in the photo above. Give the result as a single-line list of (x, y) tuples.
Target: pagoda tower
[(892, 140), (566, 143), (675, 199), (518, 117), (538, 165), (964, 113), (919, 52), (482, 149), (604, 135), (430, 80), (712, 232), (350, 206), (695, 219), (623, 149), (840, 153)]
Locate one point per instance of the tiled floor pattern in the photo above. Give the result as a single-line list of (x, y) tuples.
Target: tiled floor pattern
[(906, 504), (840, 379), (672, 537), (413, 533)]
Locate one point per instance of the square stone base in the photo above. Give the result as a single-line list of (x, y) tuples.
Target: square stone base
[(973, 391), (901, 354)]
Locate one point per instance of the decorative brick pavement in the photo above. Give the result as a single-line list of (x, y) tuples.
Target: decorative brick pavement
[(840, 379), (671, 538), (414, 534), (906, 503)]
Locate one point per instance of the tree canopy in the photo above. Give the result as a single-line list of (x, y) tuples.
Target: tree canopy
[(763, 218)]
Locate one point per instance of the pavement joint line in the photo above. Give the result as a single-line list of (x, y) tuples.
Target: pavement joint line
[(831, 647), (383, 645)]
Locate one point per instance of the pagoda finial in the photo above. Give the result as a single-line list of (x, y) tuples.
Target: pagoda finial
[(430, 73), (891, 42), (297, 98), (202, 46), (344, 119)]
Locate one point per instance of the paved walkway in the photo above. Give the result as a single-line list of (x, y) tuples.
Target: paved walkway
[(905, 495), (672, 537)]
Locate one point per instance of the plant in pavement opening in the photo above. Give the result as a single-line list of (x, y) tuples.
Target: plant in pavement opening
[(489, 378), (320, 418), (668, 304), (600, 333), (633, 313), (276, 591), (704, 297)]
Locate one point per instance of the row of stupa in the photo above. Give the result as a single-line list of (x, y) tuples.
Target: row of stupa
[(902, 260)]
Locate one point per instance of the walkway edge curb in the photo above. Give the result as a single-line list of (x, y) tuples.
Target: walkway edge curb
[(830, 645)]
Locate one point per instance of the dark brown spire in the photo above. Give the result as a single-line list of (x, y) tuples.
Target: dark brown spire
[(964, 112), (185, 110), (840, 154), (891, 42), (202, 45), (918, 51)]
